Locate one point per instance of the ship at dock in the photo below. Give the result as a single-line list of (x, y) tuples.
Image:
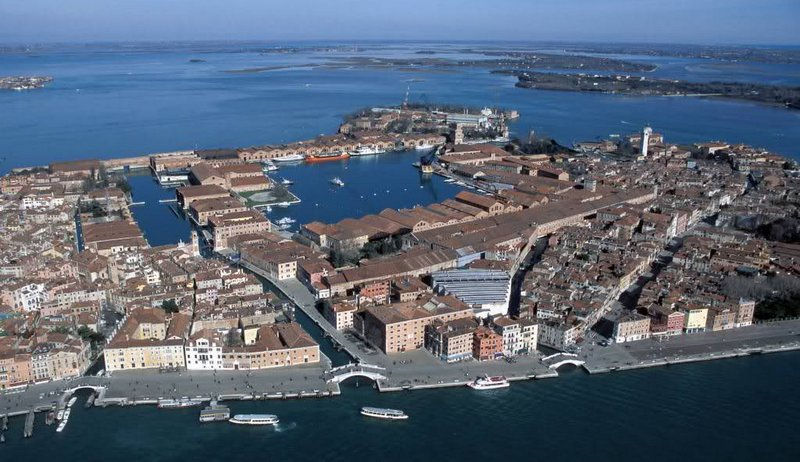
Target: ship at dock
[(328, 156), (489, 383), (177, 403), (289, 158)]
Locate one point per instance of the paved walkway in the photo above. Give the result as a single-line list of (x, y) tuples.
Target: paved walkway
[(784, 335)]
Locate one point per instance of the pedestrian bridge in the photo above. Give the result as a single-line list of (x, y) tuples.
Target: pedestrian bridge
[(560, 359), (369, 371)]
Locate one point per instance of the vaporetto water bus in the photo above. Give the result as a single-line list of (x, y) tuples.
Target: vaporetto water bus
[(254, 419), (383, 413)]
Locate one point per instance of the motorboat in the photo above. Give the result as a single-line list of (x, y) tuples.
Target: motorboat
[(489, 383)]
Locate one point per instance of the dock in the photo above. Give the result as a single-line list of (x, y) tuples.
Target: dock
[(28, 432)]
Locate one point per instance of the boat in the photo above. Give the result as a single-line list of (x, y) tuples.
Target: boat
[(283, 204), (254, 419), (324, 157), (60, 415), (285, 222), (449, 180), (424, 147), (269, 166), (337, 181), (383, 413), (177, 403), (286, 182), (489, 382), (72, 401), (365, 151), (215, 413), (289, 158), (63, 422)]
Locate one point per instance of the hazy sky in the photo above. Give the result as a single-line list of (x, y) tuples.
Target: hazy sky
[(665, 21)]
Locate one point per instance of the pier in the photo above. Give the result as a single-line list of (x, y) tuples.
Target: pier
[(28, 431)]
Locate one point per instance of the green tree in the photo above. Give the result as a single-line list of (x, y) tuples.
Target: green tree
[(170, 306)]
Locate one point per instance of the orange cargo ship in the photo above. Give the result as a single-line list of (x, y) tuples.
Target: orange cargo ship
[(327, 156)]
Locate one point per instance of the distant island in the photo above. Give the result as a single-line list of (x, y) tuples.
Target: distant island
[(20, 83), (774, 55), (641, 86)]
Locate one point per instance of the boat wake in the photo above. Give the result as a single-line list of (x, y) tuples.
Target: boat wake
[(280, 428)]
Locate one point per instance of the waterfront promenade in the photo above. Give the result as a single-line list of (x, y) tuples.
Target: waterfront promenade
[(767, 337), (147, 386)]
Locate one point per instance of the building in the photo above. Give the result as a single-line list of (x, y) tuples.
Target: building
[(267, 346), (486, 344), (451, 341), (400, 327), (188, 194), (696, 319), (631, 327), (511, 331), (228, 225), (147, 340), (487, 291), (340, 314)]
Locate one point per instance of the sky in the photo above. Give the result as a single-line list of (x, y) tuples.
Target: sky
[(766, 22)]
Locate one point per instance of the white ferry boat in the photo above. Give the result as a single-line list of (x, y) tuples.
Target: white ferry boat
[(489, 383), (177, 403), (289, 158), (365, 151), (383, 413), (424, 147), (254, 419), (72, 401), (337, 181), (268, 166)]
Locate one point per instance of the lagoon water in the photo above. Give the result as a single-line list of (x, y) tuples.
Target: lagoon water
[(115, 101)]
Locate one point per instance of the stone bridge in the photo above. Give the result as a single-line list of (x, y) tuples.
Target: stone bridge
[(342, 373), (560, 359)]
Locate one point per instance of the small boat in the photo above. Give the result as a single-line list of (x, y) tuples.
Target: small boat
[(215, 413), (283, 204), (489, 382), (177, 403), (60, 415), (424, 147), (337, 181), (449, 180), (286, 182), (63, 422), (72, 401), (289, 158), (383, 413), (51, 417), (254, 419)]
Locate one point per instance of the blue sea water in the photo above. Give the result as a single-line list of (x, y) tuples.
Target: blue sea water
[(116, 101)]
